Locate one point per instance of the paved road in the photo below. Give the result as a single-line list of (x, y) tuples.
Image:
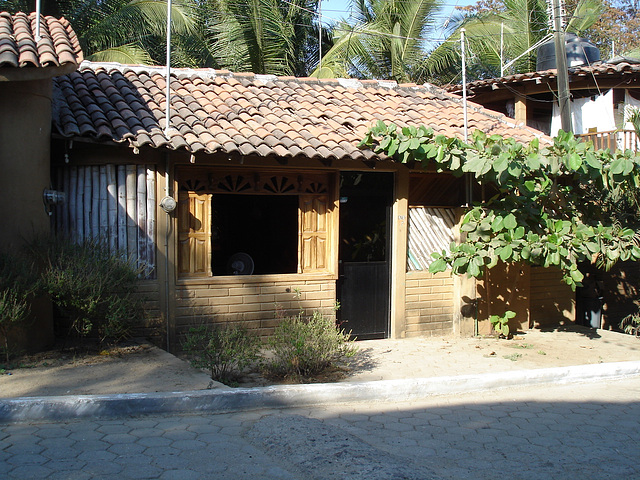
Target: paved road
[(585, 431)]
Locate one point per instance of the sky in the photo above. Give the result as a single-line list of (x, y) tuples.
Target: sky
[(336, 9)]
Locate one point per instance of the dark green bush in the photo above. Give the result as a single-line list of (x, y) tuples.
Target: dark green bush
[(92, 287), (303, 348), (225, 351), (17, 284)]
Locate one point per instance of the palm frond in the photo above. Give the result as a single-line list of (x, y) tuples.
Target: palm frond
[(585, 15), (386, 42), (134, 21), (127, 54), (255, 35)]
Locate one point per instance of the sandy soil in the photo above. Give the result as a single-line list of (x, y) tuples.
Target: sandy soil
[(139, 368), (131, 368)]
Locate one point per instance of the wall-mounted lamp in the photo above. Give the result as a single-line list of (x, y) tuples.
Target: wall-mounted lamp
[(51, 198)]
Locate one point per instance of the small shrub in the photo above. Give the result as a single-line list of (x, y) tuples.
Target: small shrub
[(225, 351), (16, 286), (631, 324), (501, 323), (306, 347), (91, 286)]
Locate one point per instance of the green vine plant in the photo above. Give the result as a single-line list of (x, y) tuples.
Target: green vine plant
[(547, 203)]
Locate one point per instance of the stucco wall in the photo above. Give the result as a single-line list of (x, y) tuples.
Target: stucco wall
[(25, 131)]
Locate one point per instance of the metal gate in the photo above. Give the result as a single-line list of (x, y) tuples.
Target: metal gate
[(364, 283)]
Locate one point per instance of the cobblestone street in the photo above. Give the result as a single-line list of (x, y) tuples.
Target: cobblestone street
[(585, 431)]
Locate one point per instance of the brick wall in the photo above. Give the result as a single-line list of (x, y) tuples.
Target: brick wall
[(154, 327), (254, 303), (552, 301), (429, 308)]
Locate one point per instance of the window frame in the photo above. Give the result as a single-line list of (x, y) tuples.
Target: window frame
[(317, 214)]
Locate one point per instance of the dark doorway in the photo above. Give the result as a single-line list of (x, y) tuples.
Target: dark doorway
[(364, 284)]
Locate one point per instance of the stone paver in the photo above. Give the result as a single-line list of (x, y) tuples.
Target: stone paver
[(588, 431)]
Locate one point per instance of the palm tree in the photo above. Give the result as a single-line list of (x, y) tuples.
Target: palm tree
[(385, 43), (125, 31), (265, 36), (521, 23)]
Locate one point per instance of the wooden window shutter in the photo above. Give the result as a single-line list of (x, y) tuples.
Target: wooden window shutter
[(314, 237), (194, 234)]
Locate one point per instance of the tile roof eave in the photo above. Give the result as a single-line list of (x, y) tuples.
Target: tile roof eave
[(599, 70), (11, 74), (318, 120)]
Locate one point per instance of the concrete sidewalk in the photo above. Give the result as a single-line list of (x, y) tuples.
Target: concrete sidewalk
[(388, 370)]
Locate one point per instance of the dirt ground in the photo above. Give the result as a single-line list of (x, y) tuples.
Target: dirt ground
[(141, 367)]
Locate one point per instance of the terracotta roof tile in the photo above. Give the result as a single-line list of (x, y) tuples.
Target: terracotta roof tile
[(619, 68), (58, 44), (216, 111)]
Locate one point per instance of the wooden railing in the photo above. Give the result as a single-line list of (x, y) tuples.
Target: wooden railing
[(614, 140)]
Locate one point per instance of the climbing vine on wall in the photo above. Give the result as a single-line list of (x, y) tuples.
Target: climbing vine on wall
[(536, 208)]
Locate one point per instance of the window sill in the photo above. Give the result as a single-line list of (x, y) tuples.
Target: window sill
[(261, 279)]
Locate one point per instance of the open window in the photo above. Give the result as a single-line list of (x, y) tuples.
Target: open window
[(253, 223)]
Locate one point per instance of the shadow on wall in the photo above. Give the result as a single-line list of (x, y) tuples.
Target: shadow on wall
[(618, 289), (504, 287)]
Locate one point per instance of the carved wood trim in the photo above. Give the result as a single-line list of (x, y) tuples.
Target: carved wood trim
[(253, 182)]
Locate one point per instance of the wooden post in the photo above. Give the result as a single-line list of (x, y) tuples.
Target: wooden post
[(399, 226), (104, 205), (66, 187), (122, 208), (132, 223), (59, 208), (141, 210), (86, 207), (521, 109), (151, 220), (464, 295), (78, 214), (95, 202), (112, 222)]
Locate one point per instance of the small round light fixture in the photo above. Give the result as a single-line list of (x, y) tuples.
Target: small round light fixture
[(168, 204)]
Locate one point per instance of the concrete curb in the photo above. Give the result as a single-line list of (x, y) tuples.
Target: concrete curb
[(281, 396)]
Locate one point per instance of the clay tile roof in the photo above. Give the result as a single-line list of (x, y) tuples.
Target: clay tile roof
[(19, 48), (221, 112), (618, 67)]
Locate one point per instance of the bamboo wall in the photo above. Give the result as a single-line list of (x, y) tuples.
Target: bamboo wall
[(111, 203), (430, 230), (429, 304)]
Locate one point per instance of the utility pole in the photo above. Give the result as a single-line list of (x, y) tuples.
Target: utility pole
[(168, 73), (464, 85), (502, 49), (319, 35), (561, 66)]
